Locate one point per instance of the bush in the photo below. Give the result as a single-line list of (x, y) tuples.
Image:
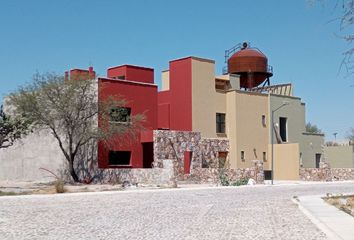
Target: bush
[(240, 182), (59, 186)]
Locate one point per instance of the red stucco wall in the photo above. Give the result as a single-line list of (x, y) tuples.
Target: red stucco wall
[(141, 98), (179, 97)]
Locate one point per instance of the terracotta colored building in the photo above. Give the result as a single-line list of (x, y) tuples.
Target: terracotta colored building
[(236, 106)]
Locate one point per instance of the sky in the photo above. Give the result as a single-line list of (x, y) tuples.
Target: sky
[(301, 41)]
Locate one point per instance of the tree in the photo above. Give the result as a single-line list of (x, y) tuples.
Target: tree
[(70, 110), (11, 128), (312, 128), (345, 17), (350, 135)]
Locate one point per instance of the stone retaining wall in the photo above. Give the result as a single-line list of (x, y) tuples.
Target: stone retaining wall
[(212, 175), (326, 173), (204, 163), (153, 176)]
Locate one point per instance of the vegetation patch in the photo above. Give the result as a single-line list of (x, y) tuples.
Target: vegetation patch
[(344, 203)]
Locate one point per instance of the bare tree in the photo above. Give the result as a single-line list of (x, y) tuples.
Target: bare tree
[(344, 9), (70, 110), (11, 128), (350, 136)]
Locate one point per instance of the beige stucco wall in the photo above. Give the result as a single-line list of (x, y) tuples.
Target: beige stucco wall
[(165, 80), (206, 101), (231, 127), (251, 134), (339, 156), (310, 145), (286, 161), (21, 162)]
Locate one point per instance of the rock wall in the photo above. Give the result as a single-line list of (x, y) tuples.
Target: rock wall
[(153, 176), (326, 173), (204, 166)]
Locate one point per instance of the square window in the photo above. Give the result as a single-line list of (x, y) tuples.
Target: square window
[(120, 114), (220, 122)]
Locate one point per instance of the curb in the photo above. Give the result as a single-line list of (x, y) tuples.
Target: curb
[(320, 225)]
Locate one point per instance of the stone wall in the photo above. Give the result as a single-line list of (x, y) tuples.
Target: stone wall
[(204, 163), (326, 173), (152, 176)]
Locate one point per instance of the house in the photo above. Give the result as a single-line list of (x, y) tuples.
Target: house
[(204, 121)]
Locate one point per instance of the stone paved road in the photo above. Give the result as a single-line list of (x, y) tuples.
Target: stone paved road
[(261, 212)]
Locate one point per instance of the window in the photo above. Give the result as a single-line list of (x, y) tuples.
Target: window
[(119, 158), (283, 122), (242, 156), (122, 77), (120, 114), (318, 160), (222, 159), (205, 163), (264, 156), (264, 120), (220, 122)]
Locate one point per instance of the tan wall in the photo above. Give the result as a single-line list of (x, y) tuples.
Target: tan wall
[(339, 156), (165, 80), (206, 101), (231, 127), (286, 161), (251, 134), (310, 144)]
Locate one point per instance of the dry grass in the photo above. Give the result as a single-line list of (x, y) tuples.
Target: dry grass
[(344, 203)]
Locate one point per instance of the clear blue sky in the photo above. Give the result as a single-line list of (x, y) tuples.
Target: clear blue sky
[(301, 46)]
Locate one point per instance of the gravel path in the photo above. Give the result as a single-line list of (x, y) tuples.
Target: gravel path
[(261, 212)]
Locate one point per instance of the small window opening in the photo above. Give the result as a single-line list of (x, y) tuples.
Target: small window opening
[(120, 114), (220, 122), (264, 156), (119, 158), (222, 159), (264, 120), (283, 128), (242, 156)]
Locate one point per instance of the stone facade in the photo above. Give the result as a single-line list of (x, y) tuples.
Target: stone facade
[(205, 165), (152, 176), (326, 173)]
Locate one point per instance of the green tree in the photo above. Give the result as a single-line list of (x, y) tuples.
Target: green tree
[(11, 128), (312, 128), (70, 110)]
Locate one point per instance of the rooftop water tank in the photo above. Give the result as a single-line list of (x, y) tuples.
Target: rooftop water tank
[(252, 66)]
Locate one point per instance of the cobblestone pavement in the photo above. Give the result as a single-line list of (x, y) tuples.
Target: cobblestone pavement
[(260, 212)]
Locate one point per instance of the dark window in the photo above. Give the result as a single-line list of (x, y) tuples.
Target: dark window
[(122, 77), (220, 122), (205, 163), (120, 114), (264, 120), (222, 159), (318, 160), (267, 175), (264, 156), (283, 128), (242, 156), (119, 157)]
